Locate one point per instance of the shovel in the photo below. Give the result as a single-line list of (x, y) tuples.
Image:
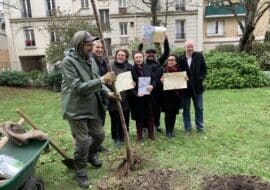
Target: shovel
[(67, 161)]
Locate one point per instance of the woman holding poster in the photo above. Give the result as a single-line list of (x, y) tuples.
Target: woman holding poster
[(142, 100), (171, 100)]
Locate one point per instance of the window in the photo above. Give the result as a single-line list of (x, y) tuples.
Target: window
[(29, 37), (105, 18), (179, 5), (239, 31), (123, 28), (51, 8), (158, 6), (84, 4), (215, 28), (26, 8), (123, 3), (180, 29), (53, 36)]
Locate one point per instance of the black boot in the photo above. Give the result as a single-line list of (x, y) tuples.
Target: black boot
[(94, 161), (82, 179)]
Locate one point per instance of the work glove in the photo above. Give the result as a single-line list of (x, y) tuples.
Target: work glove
[(115, 96), (108, 78)]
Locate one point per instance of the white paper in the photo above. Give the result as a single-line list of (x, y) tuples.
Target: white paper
[(153, 33), (124, 81), (144, 82), (175, 80)]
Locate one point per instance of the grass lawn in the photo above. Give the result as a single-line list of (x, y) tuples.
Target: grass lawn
[(237, 139)]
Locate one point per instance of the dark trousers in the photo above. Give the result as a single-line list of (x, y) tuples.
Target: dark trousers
[(170, 122), (146, 123), (88, 135), (116, 126)]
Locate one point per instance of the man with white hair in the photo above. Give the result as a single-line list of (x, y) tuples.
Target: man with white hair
[(193, 63)]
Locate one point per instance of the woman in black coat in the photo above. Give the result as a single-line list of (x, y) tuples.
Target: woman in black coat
[(142, 106), (171, 100)]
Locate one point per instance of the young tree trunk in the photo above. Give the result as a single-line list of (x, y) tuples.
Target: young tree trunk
[(119, 106)]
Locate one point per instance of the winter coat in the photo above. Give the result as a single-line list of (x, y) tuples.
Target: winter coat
[(140, 105), (196, 73), (171, 99), (120, 68), (82, 90)]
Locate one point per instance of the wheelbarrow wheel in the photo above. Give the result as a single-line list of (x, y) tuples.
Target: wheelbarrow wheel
[(34, 183)]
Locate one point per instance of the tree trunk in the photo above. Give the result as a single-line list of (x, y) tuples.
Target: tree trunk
[(119, 106)]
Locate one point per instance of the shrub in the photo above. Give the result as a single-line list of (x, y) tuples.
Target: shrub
[(233, 70), (36, 78), (54, 77), (13, 78), (227, 48), (178, 51), (264, 61)]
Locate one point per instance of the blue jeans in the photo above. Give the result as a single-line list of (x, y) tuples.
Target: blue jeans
[(198, 106)]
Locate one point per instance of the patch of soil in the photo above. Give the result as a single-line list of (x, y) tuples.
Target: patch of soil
[(163, 179), (238, 182)]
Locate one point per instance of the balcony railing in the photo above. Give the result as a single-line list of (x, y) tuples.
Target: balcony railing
[(123, 40), (212, 11), (180, 36), (122, 10)]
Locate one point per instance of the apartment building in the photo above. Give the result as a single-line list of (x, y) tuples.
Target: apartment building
[(28, 36), (221, 27), (4, 56)]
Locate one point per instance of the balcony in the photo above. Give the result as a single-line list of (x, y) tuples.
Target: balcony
[(122, 10), (123, 40), (217, 11), (180, 36)]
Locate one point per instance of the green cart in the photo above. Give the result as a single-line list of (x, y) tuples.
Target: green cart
[(28, 154)]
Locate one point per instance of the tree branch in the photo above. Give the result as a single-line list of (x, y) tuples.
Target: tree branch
[(262, 11)]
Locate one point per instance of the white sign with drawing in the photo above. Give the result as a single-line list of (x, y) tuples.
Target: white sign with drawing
[(143, 83)]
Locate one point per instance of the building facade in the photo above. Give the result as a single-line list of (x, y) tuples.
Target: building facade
[(222, 28), (28, 36)]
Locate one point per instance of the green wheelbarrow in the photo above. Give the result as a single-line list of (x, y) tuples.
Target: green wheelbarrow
[(28, 154)]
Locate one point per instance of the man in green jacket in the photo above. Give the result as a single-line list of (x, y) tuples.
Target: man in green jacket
[(82, 102)]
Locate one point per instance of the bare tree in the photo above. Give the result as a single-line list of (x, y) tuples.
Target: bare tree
[(255, 9)]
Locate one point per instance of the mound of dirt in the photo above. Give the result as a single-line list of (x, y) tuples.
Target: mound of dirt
[(238, 182), (165, 179)]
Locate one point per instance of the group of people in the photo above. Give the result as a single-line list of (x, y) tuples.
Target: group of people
[(87, 94)]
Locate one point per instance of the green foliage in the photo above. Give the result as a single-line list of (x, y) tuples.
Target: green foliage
[(54, 77), (233, 70), (264, 61), (227, 48), (178, 51), (259, 48), (37, 78), (13, 78), (65, 28), (236, 140)]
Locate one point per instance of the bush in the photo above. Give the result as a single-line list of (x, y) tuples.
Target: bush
[(264, 61), (233, 70), (13, 78), (178, 51), (54, 77), (227, 48), (36, 78)]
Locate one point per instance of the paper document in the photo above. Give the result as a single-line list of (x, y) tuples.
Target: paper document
[(175, 80), (9, 166), (144, 82), (124, 81), (153, 33)]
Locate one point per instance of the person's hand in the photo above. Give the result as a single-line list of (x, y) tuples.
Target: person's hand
[(108, 78), (186, 78), (134, 84), (165, 35), (140, 94), (149, 88), (115, 96), (142, 40), (162, 79)]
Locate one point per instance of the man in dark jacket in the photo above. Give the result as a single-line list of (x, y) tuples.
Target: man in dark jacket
[(82, 105), (193, 63), (155, 65)]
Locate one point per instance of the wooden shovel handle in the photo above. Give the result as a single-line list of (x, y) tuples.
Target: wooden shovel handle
[(34, 126)]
